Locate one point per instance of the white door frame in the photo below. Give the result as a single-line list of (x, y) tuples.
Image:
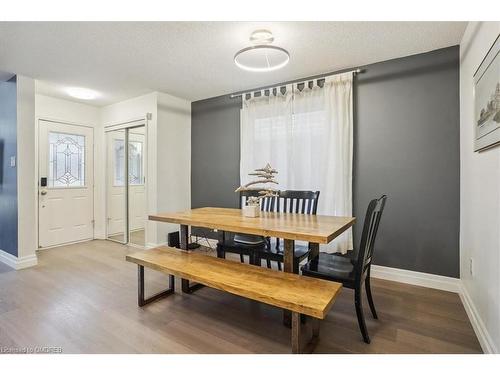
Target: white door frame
[(37, 173), (134, 123)]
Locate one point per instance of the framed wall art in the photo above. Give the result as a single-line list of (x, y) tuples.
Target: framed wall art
[(487, 100)]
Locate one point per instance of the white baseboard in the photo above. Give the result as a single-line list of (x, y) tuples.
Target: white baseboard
[(449, 284), (153, 245), (18, 263), (482, 334)]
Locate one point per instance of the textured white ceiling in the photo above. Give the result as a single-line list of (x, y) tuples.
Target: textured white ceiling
[(194, 60)]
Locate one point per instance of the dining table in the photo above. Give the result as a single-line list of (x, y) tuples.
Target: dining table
[(290, 227)]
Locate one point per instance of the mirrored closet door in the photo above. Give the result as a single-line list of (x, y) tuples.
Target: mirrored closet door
[(126, 199)]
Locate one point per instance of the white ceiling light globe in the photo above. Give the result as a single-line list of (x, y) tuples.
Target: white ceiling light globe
[(261, 37), (82, 93)]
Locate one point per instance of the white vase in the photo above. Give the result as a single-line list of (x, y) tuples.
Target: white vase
[(251, 211)]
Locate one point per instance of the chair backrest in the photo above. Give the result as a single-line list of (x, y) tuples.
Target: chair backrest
[(266, 203), (298, 201), (368, 236)]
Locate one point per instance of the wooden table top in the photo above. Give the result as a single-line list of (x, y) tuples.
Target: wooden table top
[(302, 294), (312, 228)]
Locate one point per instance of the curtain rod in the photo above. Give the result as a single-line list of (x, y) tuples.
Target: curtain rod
[(241, 93)]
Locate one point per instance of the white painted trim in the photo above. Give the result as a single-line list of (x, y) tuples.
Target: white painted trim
[(64, 122), (449, 284), (18, 263), (482, 334), (153, 245), (65, 244), (140, 121)]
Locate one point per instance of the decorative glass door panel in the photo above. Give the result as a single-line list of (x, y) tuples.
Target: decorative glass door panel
[(66, 160)]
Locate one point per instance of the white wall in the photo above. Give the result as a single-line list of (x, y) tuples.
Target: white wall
[(173, 158), (479, 198), (26, 176), (49, 108)]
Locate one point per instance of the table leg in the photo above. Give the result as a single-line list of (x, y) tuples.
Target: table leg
[(315, 328), (296, 333), (184, 241), (288, 255), (313, 251), (184, 237), (221, 238), (299, 329)]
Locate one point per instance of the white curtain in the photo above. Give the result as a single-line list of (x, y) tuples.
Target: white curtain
[(307, 135)]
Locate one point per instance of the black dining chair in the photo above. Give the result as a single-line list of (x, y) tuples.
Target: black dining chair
[(246, 244), (290, 201), (353, 270)]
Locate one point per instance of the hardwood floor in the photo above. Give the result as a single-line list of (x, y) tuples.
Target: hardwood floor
[(83, 298)]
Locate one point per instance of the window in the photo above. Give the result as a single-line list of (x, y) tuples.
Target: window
[(307, 136), (66, 160), (134, 162)]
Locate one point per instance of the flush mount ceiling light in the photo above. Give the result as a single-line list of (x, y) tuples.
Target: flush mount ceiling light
[(82, 93), (262, 57), (261, 37)]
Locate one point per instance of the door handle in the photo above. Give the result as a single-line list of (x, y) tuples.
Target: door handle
[(43, 192)]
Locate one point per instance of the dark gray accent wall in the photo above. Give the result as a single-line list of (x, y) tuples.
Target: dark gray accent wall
[(406, 145), (8, 174), (215, 152)]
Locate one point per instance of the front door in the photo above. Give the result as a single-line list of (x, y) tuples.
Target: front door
[(66, 183)]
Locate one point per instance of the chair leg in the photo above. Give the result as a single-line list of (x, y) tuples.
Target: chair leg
[(359, 313), (220, 253), (242, 260), (253, 259), (257, 260), (268, 262), (369, 296), (279, 266)]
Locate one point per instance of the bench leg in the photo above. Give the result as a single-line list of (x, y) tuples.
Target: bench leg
[(141, 300), (184, 240)]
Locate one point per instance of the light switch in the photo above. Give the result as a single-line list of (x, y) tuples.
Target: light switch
[(12, 161)]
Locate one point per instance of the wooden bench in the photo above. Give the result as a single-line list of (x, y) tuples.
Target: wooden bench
[(299, 294)]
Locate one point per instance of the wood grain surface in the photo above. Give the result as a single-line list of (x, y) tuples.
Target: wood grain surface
[(312, 228), (300, 294)]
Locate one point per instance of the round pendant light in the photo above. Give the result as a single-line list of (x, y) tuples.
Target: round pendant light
[(262, 57)]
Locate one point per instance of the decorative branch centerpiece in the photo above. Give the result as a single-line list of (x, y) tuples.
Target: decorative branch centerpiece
[(264, 176)]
